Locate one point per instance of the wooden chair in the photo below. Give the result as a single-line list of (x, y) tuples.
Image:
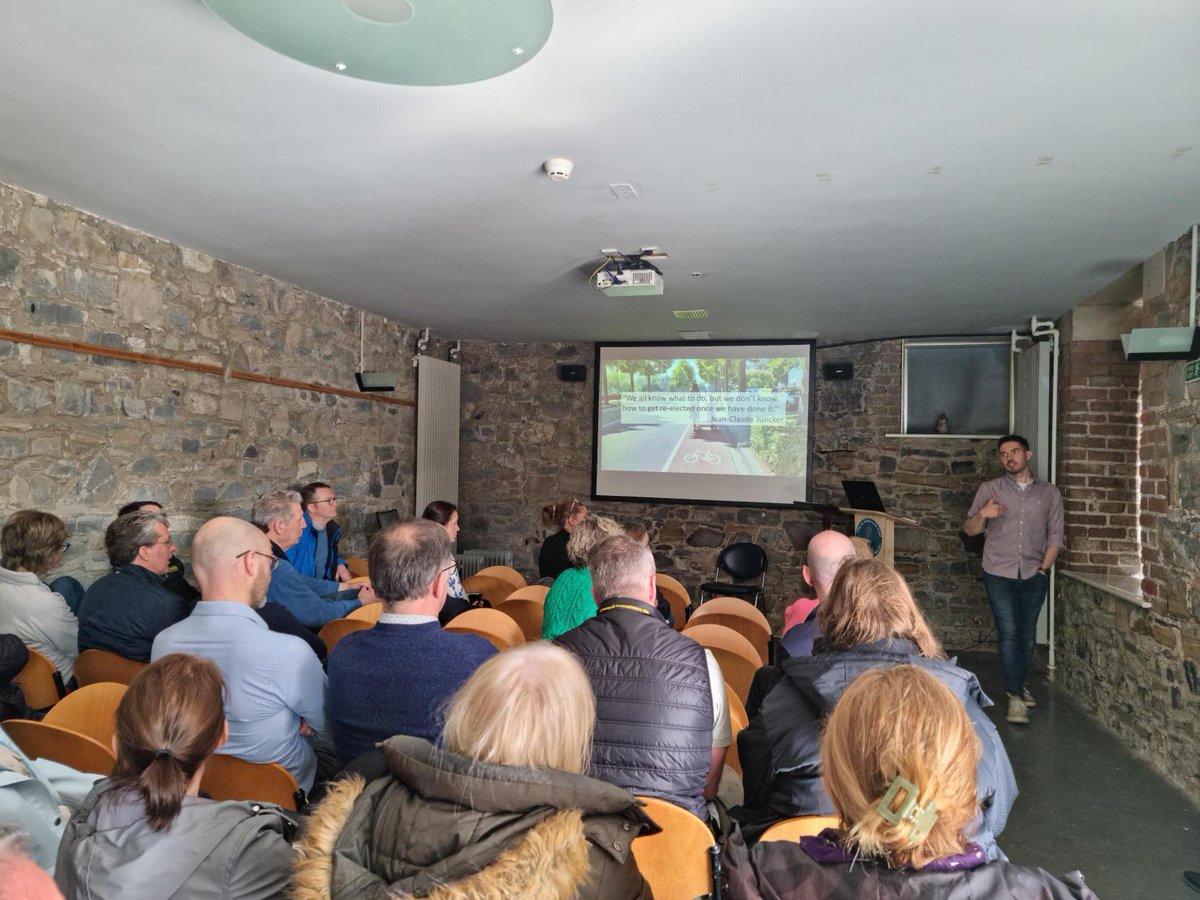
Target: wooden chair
[(536, 592), (355, 582), (230, 778), (676, 595), (90, 711), (38, 740), (98, 666), (336, 629), (357, 566), (736, 656), (491, 624), (795, 828), (493, 589), (504, 573), (737, 721), (736, 613), (369, 613), (526, 613), (676, 862), (40, 682)]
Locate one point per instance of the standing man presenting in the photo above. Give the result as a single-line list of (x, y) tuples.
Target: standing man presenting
[(1021, 517)]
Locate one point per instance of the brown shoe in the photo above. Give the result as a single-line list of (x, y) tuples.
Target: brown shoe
[(1016, 711)]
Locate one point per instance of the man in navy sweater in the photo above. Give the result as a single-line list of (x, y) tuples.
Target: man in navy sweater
[(396, 678)]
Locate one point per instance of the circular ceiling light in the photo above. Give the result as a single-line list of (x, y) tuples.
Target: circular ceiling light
[(414, 42)]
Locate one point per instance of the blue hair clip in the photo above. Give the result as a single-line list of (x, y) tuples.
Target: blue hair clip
[(908, 810)]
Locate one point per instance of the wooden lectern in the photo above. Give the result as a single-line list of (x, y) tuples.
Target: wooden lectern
[(879, 530)]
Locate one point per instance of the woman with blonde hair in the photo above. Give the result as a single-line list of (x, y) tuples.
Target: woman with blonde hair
[(564, 515), (503, 809), (900, 759), (869, 620), (570, 602), (146, 832)]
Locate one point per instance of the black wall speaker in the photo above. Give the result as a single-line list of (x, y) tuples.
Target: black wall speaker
[(839, 371), (569, 372)]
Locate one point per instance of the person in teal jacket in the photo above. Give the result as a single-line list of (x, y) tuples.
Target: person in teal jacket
[(570, 601)]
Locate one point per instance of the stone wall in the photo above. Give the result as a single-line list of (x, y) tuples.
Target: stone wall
[(1138, 670), (527, 440), (80, 434)]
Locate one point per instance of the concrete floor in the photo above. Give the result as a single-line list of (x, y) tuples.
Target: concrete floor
[(1086, 803)]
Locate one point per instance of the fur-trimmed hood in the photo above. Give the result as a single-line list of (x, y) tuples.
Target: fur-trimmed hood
[(442, 826)]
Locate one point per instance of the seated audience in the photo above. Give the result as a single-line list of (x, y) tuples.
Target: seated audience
[(900, 760), (395, 678), (175, 579), (313, 601), (146, 832), (315, 554), (662, 713), (445, 514), (32, 543), (124, 610), (570, 601), (826, 552), (564, 515), (274, 687), (13, 656), (502, 809), (661, 603), (869, 620)]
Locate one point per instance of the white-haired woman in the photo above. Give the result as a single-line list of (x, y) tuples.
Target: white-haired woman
[(503, 810)]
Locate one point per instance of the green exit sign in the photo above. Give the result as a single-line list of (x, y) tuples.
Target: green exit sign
[(1193, 370)]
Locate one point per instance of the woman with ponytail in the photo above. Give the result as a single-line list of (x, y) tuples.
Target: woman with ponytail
[(563, 515), (900, 755), (146, 832)]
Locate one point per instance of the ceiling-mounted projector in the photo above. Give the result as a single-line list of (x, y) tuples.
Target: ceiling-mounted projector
[(629, 274)]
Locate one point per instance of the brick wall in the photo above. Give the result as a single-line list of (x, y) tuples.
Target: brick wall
[(527, 440), (81, 434)]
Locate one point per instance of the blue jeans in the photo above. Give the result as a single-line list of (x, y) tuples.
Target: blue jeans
[(1016, 603)]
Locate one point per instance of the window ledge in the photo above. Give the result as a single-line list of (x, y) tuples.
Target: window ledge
[(1124, 587)]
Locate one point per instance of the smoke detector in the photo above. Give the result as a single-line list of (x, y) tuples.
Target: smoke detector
[(558, 169)]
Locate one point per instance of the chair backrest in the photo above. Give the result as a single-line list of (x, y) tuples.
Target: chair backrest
[(676, 595), (491, 624), (39, 680), (742, 561), (675, 862), (744, 618), (504, 573), (96, 666), (797, 827), (357, 566), (91, 710), (336, 629), (737, 721), (493, 589), (526, 613), (230, 778), (386, 518), (369, 613), (536, 592), (736, 656), (38, 740)]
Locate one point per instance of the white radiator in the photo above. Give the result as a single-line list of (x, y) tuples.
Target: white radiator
[(471, 561), (437, 431)]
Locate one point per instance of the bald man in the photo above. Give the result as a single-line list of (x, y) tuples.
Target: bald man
[(275, 687), (827, 550)]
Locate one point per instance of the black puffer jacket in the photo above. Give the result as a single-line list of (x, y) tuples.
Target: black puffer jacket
[(775, 870), (781, 749), (654, 708)]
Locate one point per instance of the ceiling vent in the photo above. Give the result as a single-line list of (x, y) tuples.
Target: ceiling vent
[(691, 313)]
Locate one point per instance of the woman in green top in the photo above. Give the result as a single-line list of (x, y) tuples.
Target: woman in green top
[(570, 601)]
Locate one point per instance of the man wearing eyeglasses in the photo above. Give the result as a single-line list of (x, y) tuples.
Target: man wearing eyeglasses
[(274, 687), (315, 554), (124, 610), (314, 601)]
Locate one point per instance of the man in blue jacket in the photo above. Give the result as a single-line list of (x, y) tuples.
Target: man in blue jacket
[(316, 553), (314, 601)]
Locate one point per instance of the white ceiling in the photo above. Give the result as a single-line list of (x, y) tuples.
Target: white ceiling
[(784, 148)]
